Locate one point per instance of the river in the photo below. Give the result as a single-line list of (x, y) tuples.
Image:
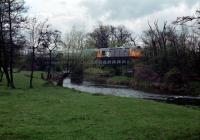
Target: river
[(123, 92)]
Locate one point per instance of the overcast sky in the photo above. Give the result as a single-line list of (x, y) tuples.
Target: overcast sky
[(87, 14)]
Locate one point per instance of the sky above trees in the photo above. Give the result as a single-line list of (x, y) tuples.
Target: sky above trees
[(86, 14)]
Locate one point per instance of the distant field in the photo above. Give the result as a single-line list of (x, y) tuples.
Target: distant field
[(55, 113)]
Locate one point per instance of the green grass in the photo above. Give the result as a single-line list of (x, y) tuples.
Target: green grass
[(53, 113)]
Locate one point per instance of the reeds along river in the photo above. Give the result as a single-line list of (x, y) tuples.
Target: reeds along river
[(125, 92)]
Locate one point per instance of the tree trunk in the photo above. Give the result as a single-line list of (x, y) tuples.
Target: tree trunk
[(4, 52), (68, 61), (1, 75), (198, 63), (5, 65), (49, 67), (32, 67), (1, 72), (11, 48), (5, 69)]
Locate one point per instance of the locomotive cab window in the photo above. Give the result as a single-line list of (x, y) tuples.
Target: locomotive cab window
[(103, 53)]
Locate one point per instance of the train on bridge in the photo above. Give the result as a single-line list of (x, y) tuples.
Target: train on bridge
[(117, 56)]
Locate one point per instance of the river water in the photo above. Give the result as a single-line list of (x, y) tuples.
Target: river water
[(117, 91)]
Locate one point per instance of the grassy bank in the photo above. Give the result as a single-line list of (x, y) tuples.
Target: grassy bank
[(54, 113)]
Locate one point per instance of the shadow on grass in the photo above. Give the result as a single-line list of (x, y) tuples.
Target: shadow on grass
[(98, 94), (13, 136), (48, 84), (4, 93)]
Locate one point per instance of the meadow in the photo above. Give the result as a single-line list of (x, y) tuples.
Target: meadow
[(48, 112)]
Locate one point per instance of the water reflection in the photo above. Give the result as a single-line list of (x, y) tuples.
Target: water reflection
[(115, 91)]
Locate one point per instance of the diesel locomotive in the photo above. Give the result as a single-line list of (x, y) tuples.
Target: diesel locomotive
[(119, 53), (117, 56)]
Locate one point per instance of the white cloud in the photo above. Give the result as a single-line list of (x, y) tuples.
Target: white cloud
[(64, 14)]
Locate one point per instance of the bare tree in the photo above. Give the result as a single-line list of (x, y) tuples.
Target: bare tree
[(74, 43), (3, 45), (120, 36), (1, 39), (186, 19), (193, 22), (101, 36), (11, 18), (51, 39), (36, 32)]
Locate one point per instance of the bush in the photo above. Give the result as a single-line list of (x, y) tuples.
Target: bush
[(173, 76), (119, 80), (94, 71), (194, 88), (173, 81), (141, 85), (145, 73)]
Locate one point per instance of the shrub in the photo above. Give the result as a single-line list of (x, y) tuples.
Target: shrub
[(194, 88), (145, 73), (119, 80), (173, 76), (94, 71)]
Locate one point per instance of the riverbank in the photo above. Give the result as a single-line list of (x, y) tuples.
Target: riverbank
[(49, 112), (145, 79), (191, 89), (124, 91)]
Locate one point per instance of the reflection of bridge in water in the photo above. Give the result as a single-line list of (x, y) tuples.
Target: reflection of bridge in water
[(117, 56)]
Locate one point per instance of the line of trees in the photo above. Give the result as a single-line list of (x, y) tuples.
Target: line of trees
[(170, 50), (43, 40), (174, 46), (166, 47), (20, 34), (105, 36)]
